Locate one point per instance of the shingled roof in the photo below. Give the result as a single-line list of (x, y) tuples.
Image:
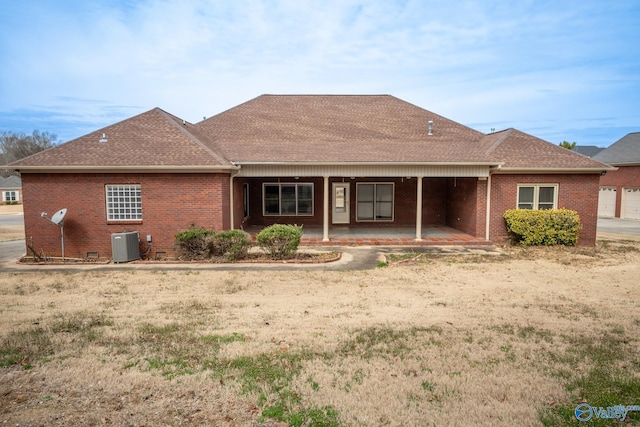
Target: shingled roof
[(154, 139), (304, 129), (339, 128), (519, 150), (626, 150)]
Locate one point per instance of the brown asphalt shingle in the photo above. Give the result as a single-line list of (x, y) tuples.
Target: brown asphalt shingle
[(153, 138), (338, 128), (517, 149), (305, 128)]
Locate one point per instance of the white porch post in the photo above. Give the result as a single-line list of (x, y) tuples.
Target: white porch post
[(487, 232), (325, 211), (419, 210), (231, 224)]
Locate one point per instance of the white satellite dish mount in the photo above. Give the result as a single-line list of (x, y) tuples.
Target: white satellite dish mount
[(57, 219)]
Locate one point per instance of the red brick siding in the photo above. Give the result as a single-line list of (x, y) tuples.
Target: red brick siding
[(624, 177), (577, 192), (466, 205), (170, 203)]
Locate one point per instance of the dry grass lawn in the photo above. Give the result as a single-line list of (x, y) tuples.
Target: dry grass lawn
[(518, 339)]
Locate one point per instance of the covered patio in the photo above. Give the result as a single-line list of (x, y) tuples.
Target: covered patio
[(383, 236)]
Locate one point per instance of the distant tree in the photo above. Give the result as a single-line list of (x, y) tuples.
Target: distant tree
[(16, 146), (568, 145)]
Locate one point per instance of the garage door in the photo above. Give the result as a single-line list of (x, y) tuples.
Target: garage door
[(607, 202), (631, 203)]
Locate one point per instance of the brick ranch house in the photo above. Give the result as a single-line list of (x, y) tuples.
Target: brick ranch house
[(325, 161), (620, 189)]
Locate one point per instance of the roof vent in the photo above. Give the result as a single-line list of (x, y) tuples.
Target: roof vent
[(104, 138), (430, 128)]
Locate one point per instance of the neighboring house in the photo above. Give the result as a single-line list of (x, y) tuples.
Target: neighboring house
[(587, 150), (11, 188), (620, 189), (324, 161)]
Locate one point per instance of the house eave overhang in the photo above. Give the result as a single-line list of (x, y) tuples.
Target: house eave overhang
[(515, 170), (130, 169), (624, 164), (366, 169), (381, 163)]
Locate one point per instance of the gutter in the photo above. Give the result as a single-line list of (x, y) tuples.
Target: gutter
[(512, 170), (150, 169), (493, 164)]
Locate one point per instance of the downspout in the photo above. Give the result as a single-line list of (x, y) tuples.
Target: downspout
[(233, 174)]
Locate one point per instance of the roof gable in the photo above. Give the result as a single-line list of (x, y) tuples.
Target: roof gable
[(587, 150), (626, 150), (338, 128), (10, 181), (153, 138), (519, 150), (331, 129)]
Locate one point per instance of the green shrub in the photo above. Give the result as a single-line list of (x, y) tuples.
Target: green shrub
[(543, 227), (280, 241), (194, 243), (234, 244)]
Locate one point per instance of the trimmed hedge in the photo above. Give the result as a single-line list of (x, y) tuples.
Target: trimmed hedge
[(543, 227), (198, 243), (280, 241), (192, 243), (234, 244)]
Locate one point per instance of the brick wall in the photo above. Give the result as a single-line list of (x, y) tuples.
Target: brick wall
[(577, 192), (466, 205), (170, 203), (624, 177)]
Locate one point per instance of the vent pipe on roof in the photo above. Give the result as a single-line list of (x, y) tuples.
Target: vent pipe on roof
[(430, 128), (104, 138)]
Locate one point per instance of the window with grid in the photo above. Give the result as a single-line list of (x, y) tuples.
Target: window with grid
[(537, 196), (10, 196), (374, 202), (124, 202), (288, 199)]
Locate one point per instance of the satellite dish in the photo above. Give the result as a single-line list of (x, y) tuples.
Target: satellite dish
[(58, 216)]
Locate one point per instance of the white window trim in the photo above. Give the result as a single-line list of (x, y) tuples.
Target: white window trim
[(393, 202), (536, 192), (134, 215), (6, 198), (280, 184)]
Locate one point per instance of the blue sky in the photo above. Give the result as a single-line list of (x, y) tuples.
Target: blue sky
[(566, 70)]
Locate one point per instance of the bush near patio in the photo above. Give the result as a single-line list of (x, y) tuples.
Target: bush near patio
[(280, 241), (543, 227), (198, 243)]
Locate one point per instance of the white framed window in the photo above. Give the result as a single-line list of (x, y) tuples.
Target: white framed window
[(124, 202), (287, 199), (10, 196), (537, 196), (374, 201)]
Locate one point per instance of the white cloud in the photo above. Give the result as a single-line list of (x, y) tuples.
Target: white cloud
[(516, 63)]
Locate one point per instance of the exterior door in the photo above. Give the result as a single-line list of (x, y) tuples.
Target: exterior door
[(340, 203)]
